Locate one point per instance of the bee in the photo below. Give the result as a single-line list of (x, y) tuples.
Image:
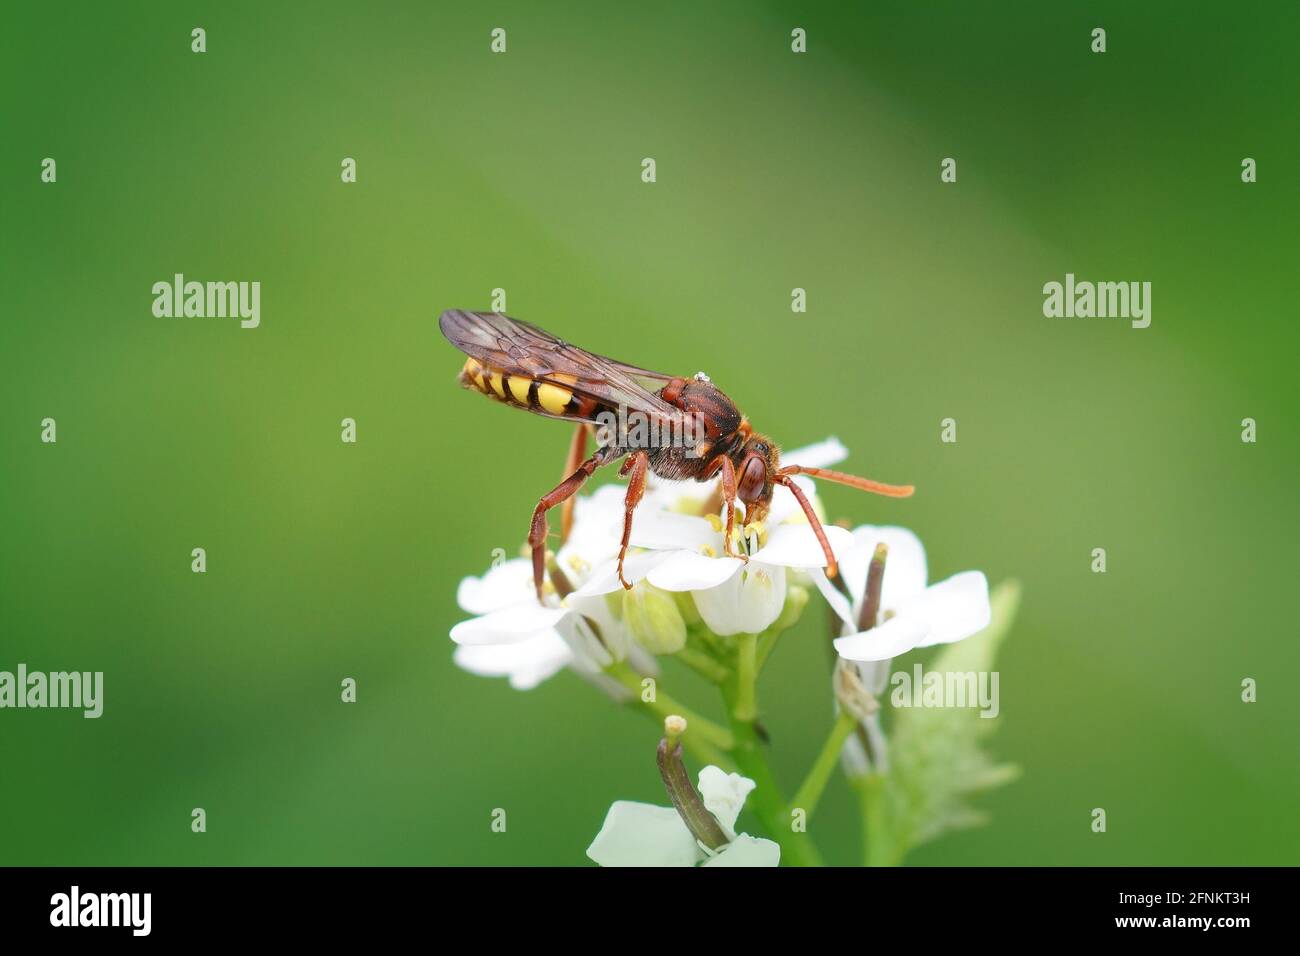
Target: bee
[(674, 427)]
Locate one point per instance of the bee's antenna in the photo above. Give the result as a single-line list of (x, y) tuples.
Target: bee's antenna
[(853, 481)]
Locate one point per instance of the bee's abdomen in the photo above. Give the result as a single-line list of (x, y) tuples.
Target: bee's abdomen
[(551, 397)]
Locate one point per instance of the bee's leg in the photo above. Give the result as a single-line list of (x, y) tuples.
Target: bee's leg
[(635, 468), (729, 496), (561, 493), (577, 452), (814, 522)]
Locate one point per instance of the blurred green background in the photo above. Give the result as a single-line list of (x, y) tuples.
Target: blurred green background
[(522, 171)]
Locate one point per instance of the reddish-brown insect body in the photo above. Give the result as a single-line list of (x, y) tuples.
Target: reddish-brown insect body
[(682, 428)]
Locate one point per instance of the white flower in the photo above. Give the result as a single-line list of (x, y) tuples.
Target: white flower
[(911, 615), (513, 636), (641, 834), (683, 551)]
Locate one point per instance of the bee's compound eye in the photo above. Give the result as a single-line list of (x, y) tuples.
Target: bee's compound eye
[(753, 479)]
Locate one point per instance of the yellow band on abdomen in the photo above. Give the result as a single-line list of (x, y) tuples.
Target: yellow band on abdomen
[(553, 398)]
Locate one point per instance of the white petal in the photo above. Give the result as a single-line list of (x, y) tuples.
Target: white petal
[(874, 675), (510, 582), (723, 795), (605, 502), (691, 571), (796, 546), (526, 663), (894, 637), (891, 639), (948, 611), (597, 528), (604, 579), (838, 602), (684, 496), (605, 684), (638, 834), (589, 651), (746, 603), (854, 756), (953, 609), (668, 530), (821, 455), (602, 626), (508, 625), (746, 850), (642, 661), (905, 569)]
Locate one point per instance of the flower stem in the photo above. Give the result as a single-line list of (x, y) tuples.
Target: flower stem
[(703, 664), (877, 848), (746, 702), (703, 731), (766, 801), (766, 641), (810, 792)]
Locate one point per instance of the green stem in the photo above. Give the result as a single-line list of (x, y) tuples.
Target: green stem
[(820, 773), (702, 730), (708, 642), (746, 702), (877, 847), (766, 642), (704, 665), (766, 802)]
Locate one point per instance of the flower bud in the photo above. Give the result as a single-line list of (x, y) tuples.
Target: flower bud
[(674, 727), (652, 617)]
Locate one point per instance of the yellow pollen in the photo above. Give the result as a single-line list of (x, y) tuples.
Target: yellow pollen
[(708, 552), (714, 521)]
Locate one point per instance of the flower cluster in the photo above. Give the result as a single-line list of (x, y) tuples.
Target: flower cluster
[(678, 549), (719, 614)]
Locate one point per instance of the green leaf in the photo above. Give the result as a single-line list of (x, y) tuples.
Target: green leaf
[(936, 763)]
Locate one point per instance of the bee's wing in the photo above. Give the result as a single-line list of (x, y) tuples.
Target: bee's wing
[(518, 348)]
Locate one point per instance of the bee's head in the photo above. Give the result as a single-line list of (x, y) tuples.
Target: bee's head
[(756, 467)]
